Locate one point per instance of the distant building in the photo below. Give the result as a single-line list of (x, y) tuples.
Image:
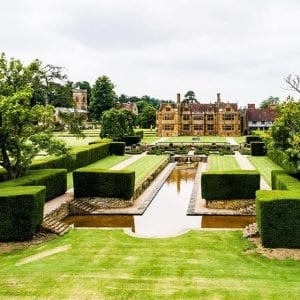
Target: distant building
[(131, 106), (197, 119), (80, 99), (260, 119)]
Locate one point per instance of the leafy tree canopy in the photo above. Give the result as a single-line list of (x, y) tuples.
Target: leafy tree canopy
[(148, 117), (270, 101), (103, 97), (190, 97), (115, 124)]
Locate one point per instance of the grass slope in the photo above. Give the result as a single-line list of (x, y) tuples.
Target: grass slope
[(264, 165), (222, 163), (101, 264)]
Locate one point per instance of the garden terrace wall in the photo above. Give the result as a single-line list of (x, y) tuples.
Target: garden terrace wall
[(103, 183), (226, 185), (79, 157), (277, 216), (21, 212), (55, 181)]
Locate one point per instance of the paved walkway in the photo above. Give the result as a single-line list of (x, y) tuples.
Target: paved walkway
[(128, 161), (232, 141), (163, 139), (245, 164)]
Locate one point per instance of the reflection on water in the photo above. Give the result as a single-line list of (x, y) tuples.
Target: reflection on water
[(166, 215)]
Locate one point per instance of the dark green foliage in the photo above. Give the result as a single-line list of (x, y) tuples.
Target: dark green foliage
[(237, 184), (253, 138), (3, 175), (80, 157), (55, 181), (21, 212), (103, 183), (258, 148), (281, 159), (130, 140), (277, 214), (283, 181), (117, 148)]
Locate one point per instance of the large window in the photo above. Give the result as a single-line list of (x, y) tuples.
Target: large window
[(169, 117), (185, 117), (210, 127), (186, 127), (168, 108), (228, 117), (198, 127), (210, 117), (198, 117), (228, 127), (169, 127)]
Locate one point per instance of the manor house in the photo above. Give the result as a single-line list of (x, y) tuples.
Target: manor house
[(189, 117)]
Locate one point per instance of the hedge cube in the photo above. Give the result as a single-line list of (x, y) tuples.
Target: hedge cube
[(239, 184), (103, 183), (117, 148), (257, 148), (21, 212)]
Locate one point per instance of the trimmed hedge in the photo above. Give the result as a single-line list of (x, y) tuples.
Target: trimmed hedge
[(80, 157), (103, 183), (257, 148), (238, 184), (130, 140), (281, 159), (253, 138), (283, 181), (21, 212), (277, 215), (55, 181), (117, 148)]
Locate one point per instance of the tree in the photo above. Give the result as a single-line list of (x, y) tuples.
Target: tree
[(103, 97), (60, 95), (293, 83), (115, 124), (74, 121), (270, 101), (190, 97), (24, 130), (148, 117), (285, 131)]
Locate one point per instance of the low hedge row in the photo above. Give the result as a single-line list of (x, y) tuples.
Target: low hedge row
[(103, 183), (55, 181), (130, 140), (21, 212), (281, 159), (253, 138), (277, 215), (80, 157), (257, 148), (237, 184)]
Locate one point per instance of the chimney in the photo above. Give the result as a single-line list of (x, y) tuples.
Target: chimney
[(178, 98), (251, 106), (218, 97)]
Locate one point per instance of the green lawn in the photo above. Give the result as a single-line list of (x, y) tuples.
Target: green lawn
[(189, 139), (240, 139), (222, 163), (105, 163), (102, 264), (149, 140), (264, 165), (145, 165)]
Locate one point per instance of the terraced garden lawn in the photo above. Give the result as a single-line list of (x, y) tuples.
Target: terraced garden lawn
[(189, 139), (145, 165), (264, 165), (240, 139), (102, 264), (222, 163), (150, 140), (105, 163)]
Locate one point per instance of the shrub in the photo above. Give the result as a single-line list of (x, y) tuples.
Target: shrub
[(117, 148), (281, 159), (103, 183), (257, 148), (55, 181), (237, 184), (253, 138), (283, 181), (130, 140), (21, 212), (277, 214)]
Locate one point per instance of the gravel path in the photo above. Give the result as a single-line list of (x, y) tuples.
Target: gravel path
[(163, 139)]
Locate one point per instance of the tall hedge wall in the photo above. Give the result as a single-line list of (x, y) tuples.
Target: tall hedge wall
[(281, 159), (117, 148), (103, 183), (21, 212), (257, 148), (55, 181), (253, 138), (79, 157), (277, 215), (239, 184), (283, 181)]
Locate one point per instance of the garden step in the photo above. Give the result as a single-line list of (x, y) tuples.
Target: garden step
[(248, 210), (82, 205), (55, 226), (251, 231)]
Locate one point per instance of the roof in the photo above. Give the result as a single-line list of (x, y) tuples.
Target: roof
[(262, 114)]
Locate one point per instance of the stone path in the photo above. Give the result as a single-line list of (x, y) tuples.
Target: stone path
[(163, 139), (232, 141), (128, 161), (245, 164)]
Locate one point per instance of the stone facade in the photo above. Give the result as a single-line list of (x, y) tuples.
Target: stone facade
[(80, 99), (196, 119)]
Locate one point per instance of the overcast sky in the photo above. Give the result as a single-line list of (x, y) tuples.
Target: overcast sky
[(241, 48)]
